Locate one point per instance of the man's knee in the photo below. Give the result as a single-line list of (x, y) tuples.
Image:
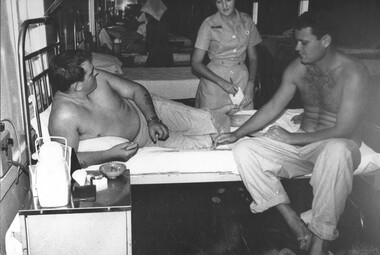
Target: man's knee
[(339, 147), (242, 148), (342, 149)]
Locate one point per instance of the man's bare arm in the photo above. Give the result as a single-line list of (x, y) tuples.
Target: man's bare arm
[(140, 95), (121, 152), (131, 90), (268, 112), (272, 108)]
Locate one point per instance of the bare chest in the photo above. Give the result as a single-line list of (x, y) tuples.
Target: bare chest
[(321, 90), (104, 119)]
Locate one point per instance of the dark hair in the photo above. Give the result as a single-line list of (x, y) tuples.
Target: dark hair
[(65, 69), (319, 22)]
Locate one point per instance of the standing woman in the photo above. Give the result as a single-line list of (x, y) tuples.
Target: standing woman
[(227, 36)]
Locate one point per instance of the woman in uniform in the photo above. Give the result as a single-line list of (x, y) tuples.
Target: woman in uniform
[(228, 36)]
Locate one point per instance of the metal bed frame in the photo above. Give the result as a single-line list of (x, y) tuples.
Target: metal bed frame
[(36, 91)]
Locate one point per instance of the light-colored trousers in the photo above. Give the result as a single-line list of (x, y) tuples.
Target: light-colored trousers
[(189, 128), (261, 162)]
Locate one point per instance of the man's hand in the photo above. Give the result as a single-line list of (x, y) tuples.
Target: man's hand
[(297, 119), (224, 139), (279, 134), (124, 151), (157, 130)]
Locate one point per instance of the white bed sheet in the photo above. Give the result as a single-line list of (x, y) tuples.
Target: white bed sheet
[(153, 165), (169, 82)]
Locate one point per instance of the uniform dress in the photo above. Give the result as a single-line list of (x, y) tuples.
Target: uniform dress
[(226, 47)]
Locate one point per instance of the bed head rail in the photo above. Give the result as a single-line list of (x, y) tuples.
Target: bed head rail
[(36, 91), (78, 33)]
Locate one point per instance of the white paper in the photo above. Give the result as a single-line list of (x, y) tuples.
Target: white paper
[(238, 97)]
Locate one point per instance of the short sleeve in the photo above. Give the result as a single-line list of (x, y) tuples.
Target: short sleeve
[(203, 37), (255, 37)]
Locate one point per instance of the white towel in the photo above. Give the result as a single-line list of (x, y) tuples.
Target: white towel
[(156, 8), (238, 97), (104, 38), (142, 27)]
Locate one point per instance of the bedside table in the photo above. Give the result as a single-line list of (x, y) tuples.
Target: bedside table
[(99, 227)]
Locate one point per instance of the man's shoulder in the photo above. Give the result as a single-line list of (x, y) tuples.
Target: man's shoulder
[(295, 68), (63, 110), (352, 66)]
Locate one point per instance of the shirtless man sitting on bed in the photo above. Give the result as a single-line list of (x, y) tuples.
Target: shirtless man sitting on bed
[(333, 89), (90, 103)]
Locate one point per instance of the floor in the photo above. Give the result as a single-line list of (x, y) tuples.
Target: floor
[(181, 219)]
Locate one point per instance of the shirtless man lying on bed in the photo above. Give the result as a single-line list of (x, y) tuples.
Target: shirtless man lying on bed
[(333, 89), (90, 103)]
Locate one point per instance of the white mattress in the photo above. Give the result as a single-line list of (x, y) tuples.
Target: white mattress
[(169, 82)]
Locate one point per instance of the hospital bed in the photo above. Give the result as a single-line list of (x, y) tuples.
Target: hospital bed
[(159, 165)]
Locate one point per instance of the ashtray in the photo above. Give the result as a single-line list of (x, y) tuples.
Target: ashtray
[(112, 169)]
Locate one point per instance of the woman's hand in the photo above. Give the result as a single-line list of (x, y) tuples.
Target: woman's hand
[(248, 94), (229, 87), (247, 99)]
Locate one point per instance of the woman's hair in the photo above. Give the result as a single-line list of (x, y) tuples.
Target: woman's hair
[(319, 22), (65, 69)]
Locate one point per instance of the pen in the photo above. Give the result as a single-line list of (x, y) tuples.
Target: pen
[(233, 86)]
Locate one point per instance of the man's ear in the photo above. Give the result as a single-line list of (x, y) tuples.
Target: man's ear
[(326, 40), (77, 86)]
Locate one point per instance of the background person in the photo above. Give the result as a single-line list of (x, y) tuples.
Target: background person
[(156, 30), (334, 89), (227, 36)]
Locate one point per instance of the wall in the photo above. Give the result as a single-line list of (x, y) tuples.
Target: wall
[(13, 13), (357, 21)]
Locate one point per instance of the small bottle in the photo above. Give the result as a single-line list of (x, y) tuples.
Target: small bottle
[(117, 46)]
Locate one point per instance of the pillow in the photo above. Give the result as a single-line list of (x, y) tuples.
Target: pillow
[(44, 118), (100, 143), (107, 62), (370, 160)]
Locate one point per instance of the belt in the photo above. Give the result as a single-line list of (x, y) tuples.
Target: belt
[(227, 62)]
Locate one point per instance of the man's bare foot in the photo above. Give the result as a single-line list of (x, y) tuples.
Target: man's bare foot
[(304, 236), (319, 246)]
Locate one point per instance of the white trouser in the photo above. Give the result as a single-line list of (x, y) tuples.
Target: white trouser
[(261, 161)]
